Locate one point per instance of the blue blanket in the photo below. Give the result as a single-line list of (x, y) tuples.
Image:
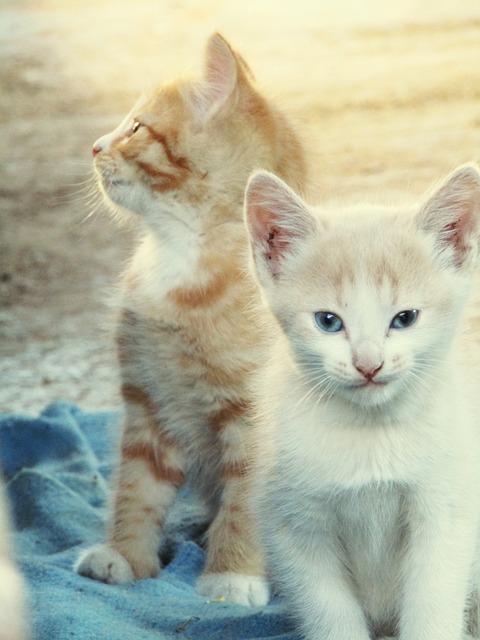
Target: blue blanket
[(57, 468)]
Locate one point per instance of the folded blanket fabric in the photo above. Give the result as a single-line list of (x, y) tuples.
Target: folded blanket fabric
[(57, 468)]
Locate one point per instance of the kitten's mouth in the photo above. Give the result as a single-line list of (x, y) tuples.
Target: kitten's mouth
[(369, 384), (108, 178)]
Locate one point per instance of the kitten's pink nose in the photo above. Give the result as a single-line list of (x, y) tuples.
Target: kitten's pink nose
[(96, 149), (368, 372), (367, 358)]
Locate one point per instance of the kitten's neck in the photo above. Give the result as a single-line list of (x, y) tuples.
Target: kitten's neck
[(185, 256), (182, 222)]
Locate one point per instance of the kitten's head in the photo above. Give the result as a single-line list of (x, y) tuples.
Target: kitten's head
[(369, 299), (193, 144)]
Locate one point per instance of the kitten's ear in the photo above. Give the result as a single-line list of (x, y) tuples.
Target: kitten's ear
[(222, 68), (452, 216), (277, 221)]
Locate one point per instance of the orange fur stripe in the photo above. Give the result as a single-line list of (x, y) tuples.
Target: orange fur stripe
[(177, 161), (153, 172), (132, 393), (231, 411), (231, 470), (164, 181), (201, 296), (160, 471)]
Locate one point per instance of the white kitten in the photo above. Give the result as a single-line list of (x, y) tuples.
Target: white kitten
[(369, 491), (12, 617)]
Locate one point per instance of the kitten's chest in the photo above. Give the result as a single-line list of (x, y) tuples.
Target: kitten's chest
[(192, 371), (368, 522), (345, 458), (370, 530)]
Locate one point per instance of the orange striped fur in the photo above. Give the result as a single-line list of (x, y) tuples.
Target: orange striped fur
[(192, 330)]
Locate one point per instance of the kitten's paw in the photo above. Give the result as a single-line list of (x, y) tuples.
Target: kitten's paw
[(251, 591), (12, 614), (105, 564)]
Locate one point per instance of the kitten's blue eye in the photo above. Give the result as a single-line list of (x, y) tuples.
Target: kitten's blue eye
[(404, 319), (328, 322)]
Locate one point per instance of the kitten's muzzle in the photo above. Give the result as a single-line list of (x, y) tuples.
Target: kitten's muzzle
[(367, 359)]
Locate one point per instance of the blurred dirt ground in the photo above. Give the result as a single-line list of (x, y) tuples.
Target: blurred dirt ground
[(389, 98)]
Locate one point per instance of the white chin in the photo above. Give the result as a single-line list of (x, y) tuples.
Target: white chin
[(371, 396), (118, 198), (115, 192)]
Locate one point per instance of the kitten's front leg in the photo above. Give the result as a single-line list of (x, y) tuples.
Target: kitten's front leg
[(150, 473), (438, 570), (234, 567), (312, 572), (12, 591)]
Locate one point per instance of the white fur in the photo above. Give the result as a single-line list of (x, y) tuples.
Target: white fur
[(105, 564), (13, 624), (164, 265), (12, 616), (369, 496), (233, 587), (12, 591)]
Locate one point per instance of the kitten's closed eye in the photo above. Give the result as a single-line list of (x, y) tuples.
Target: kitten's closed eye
[(136, 126)]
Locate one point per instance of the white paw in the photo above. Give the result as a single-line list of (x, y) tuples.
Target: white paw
[(105, 564), (234, 587), (12, 614)]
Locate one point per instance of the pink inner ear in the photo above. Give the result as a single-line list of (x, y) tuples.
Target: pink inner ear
[(277, 219), (278, 244), (455, 233), (220, 71), (270, 237), (452, 233), (451, 214)]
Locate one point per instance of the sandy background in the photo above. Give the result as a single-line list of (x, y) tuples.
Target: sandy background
[(388, 91)]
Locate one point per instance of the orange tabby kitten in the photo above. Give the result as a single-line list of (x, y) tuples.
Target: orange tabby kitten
[(189, 337)]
